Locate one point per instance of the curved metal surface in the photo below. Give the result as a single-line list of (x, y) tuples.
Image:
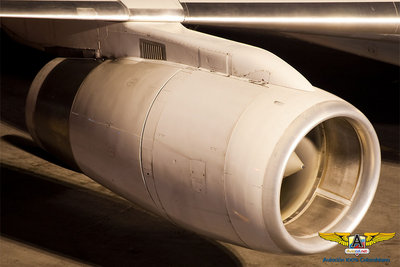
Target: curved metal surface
[(53, 102), (341, 18), (209, 151), (84, 10), (106, 10), (356, 19), (346, 189)]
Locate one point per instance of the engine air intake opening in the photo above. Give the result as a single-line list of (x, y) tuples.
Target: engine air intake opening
[(318, 195)]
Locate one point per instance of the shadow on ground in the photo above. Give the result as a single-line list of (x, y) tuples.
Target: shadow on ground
[(30, 147), (83, 225)]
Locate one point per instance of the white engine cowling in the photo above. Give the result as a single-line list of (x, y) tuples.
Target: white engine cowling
[(265, 167)]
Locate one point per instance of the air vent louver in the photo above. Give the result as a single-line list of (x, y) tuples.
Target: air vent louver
[(152, 50)]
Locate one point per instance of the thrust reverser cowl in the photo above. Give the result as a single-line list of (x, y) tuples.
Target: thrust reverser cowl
[(209, 152)]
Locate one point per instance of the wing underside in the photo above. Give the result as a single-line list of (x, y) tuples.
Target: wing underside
[(340, 24), (327, 17)]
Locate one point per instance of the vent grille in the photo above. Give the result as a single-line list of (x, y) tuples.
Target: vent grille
[(152, 50)]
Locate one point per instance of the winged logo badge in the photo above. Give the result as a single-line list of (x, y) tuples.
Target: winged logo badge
[(357, 243)]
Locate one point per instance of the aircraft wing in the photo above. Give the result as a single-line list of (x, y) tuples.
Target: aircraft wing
[(368, 28), (108, 10), (310, 16)]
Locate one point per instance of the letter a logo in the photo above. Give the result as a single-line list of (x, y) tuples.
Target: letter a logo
[(357, 241)]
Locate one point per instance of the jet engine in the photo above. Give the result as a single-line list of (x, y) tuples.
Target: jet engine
[(262, 166)]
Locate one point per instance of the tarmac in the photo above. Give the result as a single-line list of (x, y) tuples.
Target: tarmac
[(53, 216)]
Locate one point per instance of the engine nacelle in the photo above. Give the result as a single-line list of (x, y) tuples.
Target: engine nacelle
[(261, 166)]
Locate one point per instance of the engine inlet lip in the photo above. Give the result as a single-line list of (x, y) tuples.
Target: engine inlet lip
[(369, 175)]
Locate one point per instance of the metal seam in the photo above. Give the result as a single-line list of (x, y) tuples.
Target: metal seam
[(141, 146)]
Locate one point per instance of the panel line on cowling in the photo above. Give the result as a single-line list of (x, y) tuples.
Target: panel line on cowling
[(141, 150)]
